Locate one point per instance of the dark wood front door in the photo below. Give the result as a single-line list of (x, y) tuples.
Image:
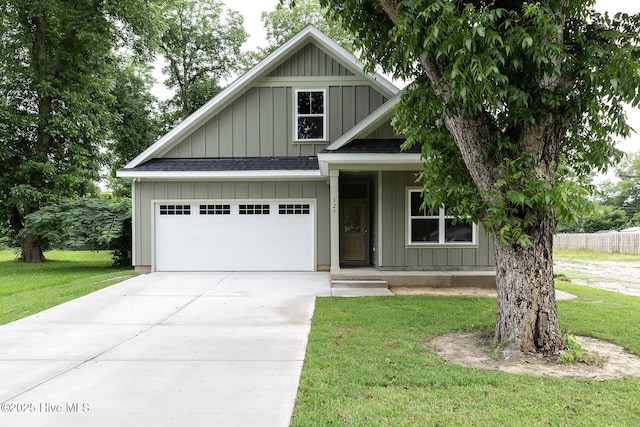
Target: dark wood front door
[(354, 236)]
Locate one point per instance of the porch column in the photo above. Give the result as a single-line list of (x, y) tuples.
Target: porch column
[(334, 201)]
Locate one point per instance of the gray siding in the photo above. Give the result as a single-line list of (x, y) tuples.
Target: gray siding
[(385, 131), (310, 61), (397, 254), (259, 123), (348, 105), (212, 190)]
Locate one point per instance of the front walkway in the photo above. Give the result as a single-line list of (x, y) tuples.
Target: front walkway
[(164, 349)]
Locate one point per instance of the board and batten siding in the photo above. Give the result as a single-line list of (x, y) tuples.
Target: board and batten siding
[(310, 61), (259, 123), (188, 191), (397, 254)]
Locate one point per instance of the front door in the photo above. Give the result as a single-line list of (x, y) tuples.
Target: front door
[(354, 236)]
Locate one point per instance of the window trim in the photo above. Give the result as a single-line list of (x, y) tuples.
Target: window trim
[(442, 218), (324, 116)]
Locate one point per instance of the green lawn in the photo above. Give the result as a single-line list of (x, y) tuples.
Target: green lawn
[(367, 365), (586, 255), (26, 289)]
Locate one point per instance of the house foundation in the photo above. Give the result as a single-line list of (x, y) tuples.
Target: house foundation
[(435, 279)]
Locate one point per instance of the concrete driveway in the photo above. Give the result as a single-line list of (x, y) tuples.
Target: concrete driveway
[(164, 349)]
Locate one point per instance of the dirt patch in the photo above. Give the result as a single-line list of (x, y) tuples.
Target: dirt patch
[(474, 349), (622, 277)]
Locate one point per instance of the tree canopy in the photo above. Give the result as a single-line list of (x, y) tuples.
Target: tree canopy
[(200, 43), (624, 193), (56, 101), (284, 22), (138, 123), (616, 205), (514, 104)]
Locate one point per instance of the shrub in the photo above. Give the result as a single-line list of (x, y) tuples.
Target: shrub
[(84, 223)]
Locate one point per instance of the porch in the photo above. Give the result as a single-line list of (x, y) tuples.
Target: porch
[(375, 233), (372, 276)]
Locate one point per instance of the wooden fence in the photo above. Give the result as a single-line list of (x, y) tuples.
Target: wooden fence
[(626, 243)]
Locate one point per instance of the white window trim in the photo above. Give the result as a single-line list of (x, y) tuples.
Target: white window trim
[(325, 115), (441, 227)]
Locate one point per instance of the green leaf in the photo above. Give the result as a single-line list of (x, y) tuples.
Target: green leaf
[(614, 83)]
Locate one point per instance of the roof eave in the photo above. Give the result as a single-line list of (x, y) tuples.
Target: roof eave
[(221, 175), (368, 161)]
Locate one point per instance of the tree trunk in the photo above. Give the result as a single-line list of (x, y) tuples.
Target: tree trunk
[(31, 250), (527, 319), (526, 315)]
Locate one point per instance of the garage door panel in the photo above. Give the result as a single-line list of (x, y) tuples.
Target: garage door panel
[(249, 236)]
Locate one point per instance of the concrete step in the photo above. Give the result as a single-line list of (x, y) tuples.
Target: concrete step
[(366, 284)]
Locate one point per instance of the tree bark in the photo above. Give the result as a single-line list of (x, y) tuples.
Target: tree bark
[(30, 248), (526, 313)]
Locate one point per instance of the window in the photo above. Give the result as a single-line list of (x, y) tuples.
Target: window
[(434, 227), (310, 115), (215, 209), (175, 209), (293, 209), (254, 209)]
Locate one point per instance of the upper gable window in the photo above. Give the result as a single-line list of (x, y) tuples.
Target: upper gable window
[(310, 114)]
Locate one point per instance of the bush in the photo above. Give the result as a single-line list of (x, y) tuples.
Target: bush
[(605, 218), (84, 223)]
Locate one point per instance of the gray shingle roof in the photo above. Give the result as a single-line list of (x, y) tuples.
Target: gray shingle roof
[(268, 163), (228, 164)]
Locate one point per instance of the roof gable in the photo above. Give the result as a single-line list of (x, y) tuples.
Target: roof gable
[(374, 120), (281, 56)]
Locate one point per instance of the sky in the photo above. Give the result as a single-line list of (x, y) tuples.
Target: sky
[(251, 10)]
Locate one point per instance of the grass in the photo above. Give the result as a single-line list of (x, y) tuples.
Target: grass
[(26, 289), (367, 363), (586, 255)]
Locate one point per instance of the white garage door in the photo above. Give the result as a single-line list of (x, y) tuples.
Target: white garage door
[(234, 236)]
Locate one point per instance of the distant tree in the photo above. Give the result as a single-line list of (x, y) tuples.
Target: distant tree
[(136, 125), (201, 45), (624, 193), (635, 220), (56, 100), (506, 97), (284, 22), (604, 218)]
